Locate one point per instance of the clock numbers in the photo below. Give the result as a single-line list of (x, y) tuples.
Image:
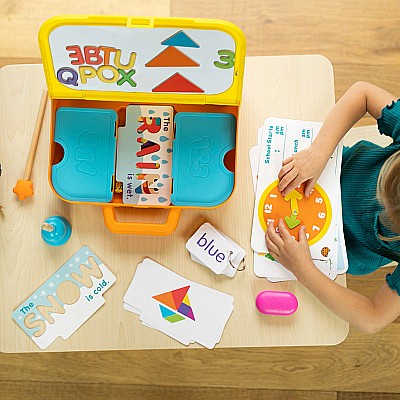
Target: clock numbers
[(295, 209), (268, 208)]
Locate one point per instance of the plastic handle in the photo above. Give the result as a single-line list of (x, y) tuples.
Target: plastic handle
[(139, 228)]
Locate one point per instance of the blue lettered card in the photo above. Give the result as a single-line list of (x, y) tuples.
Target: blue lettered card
[(66, 300)]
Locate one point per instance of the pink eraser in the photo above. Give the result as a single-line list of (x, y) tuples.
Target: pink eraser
[(276, 303)]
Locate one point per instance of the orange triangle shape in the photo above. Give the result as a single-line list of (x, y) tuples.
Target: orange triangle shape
[(177, 83), (172, 57), (179, 295), (166, 299)]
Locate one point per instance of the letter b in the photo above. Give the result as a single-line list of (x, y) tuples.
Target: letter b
[(203, 238)]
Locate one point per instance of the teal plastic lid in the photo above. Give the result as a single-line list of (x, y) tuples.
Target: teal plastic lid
[(87, 136), (200, 177)]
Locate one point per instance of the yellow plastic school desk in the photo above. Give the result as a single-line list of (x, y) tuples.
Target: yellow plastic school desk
[(298, 87)]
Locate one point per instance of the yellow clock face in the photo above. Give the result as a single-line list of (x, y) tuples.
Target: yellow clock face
[(314, 212)]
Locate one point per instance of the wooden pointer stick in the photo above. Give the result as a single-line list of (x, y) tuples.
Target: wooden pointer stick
[(24, 187)]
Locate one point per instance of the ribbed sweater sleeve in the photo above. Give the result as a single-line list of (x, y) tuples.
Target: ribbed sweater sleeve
[(389, 122), (393, 280)]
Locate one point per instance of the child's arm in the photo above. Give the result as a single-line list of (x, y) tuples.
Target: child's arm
[(368, 315), (307, 165)]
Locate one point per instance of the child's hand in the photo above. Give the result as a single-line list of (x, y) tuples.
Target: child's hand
[(306, 165), (292, 254)]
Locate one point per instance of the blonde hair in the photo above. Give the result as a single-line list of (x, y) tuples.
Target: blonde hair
[(388, 194)]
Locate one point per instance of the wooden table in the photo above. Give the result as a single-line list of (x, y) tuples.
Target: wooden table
[(292, 86)]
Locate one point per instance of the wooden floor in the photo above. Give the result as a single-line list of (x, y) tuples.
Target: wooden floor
[(362, 40)]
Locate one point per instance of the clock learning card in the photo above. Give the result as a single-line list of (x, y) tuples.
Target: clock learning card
[(282, 138), (265, 161)]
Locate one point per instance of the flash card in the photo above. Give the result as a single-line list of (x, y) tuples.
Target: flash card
[(177, 306), (144, 152), (212, 248), (66, 300)]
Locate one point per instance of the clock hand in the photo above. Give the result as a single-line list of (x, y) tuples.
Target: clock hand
[(293, 196), (292, 221)]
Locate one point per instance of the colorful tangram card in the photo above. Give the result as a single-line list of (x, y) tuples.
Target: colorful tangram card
[(144, 151), (66, 300), (182, 309), (320, 213)]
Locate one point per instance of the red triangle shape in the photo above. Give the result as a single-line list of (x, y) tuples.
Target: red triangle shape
[(179, 295), (172, 57), (177, 83)]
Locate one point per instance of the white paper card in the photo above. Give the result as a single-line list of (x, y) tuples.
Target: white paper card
[(178, 307), (213, 249), (66, 300), (282, 138)]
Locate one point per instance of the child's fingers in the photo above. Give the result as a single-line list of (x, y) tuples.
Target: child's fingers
[(283, 232), (294, 184), (273, 236), (285, 169), (309, 186), (273, 254), (287, 160), (287, 180), (302, 235), (272, 248)]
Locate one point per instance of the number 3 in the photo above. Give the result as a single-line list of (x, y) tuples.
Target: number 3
[(227, 59)]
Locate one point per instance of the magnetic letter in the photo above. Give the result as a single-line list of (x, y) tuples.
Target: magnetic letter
[(131, 62), (75, 54), (114, 71), (72, 76), (92, 55), (86, 73)]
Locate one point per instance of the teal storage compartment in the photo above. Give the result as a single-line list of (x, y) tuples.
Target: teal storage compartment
[(87, 136), (202, 140)]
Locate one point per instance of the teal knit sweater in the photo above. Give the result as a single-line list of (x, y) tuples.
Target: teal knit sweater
[(360, 169)]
